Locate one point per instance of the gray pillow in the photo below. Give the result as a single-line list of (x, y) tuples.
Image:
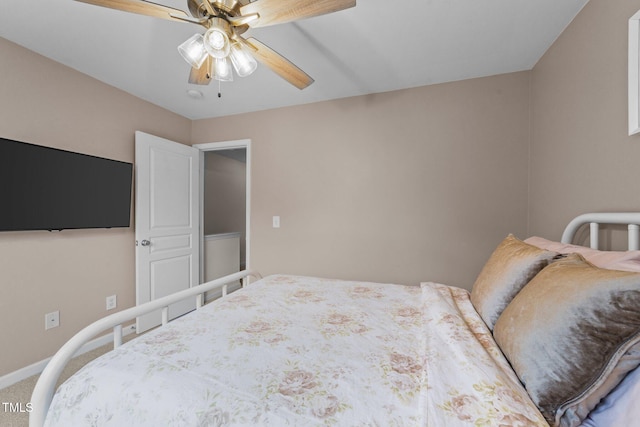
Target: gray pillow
[(571, 335), (510, 267)]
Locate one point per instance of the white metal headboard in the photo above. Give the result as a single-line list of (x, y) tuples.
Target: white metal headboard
[(631, 219)]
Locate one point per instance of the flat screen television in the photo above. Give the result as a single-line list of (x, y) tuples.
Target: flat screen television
[(43, 188)]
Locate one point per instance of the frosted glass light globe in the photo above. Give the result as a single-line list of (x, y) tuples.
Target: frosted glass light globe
[(216, 42)]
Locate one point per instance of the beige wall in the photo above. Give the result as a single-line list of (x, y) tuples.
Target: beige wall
[(582, 158), (405, 186), (45, 103)]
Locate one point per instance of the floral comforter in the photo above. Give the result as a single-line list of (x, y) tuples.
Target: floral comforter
[(300, 351)]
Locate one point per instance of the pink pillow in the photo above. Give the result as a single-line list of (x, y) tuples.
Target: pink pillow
[(611, 260)]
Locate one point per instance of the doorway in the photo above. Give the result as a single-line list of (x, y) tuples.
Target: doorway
[(225, 170)]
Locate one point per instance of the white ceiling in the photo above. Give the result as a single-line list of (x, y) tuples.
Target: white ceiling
[(367, 49)]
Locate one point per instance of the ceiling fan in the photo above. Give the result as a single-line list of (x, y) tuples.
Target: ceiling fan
[(222, 48)]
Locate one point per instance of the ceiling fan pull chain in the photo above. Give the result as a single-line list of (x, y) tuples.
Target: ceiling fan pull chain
[(219, 89)]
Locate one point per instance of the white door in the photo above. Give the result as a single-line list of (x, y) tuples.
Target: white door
[(167, 223)]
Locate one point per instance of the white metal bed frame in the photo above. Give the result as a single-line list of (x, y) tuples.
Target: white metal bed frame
[(45, 387), (630, 219)]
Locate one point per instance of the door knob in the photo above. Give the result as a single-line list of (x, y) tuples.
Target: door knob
[(145, 243)]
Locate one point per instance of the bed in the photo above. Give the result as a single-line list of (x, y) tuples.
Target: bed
[(547, 336)]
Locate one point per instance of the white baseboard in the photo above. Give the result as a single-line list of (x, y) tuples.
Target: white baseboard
[(36, 368)]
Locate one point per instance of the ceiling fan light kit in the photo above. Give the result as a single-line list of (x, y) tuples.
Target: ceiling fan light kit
[(216, 39), (222, 49), (193, 50), (243, 61), (221, 70)]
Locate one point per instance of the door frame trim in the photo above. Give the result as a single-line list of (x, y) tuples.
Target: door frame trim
[(219, 146)]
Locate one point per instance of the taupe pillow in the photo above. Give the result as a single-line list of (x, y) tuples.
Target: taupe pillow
[(571, 335), (509, 268)]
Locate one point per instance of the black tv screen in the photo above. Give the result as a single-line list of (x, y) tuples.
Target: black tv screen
[(43, 188)]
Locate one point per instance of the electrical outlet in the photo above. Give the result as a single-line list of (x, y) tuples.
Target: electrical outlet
[(276, 222), (52, 320), (112, 302)]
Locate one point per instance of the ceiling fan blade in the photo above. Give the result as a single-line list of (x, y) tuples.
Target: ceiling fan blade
[(202, 75), (141, 7), (279, 11), (279, 64)]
